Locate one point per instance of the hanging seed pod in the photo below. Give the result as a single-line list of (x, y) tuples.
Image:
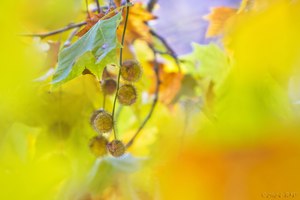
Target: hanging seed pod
[(98, 145), (103, 122), (116, 148), (109, 86), (131, 70), (127, 95), (94, 115)]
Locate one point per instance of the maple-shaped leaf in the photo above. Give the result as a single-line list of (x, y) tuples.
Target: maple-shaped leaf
[(209, 64), (218, 19), (93, 51), (137, 27)]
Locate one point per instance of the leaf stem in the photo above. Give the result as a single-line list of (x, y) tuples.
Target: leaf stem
[(121, 61), (155, 100)]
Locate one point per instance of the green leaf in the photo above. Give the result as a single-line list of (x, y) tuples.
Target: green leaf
[(93, 51), (207, 61)]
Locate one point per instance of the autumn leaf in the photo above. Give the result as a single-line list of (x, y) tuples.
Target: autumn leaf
[(218, 19), (90, 22), (137, 27), (170, 84), (93, 51)]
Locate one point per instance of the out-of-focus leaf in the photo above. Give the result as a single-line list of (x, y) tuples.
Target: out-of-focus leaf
[(246, 5), (136, 26), (105, 170), (207, 61), (52, 54), (217, 20), (170, 84), (92, 51)]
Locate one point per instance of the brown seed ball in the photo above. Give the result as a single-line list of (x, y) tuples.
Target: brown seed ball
[(98, 145), (127, 95), (109, 86), (116, 148), (131, 70), (94, 115), (103, 122)]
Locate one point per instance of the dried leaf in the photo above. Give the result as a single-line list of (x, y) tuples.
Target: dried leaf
[(91, 21)]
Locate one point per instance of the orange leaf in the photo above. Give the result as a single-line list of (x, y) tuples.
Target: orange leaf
[(170, 84), (91, 21), (218, 19), (136, 26)]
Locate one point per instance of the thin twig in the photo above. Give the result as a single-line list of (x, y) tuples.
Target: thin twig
[(151, 5), (171, 52), (121, 57), (71, 26), (156, 96), (71, 36), (87, 9), (44, 35), (98, 6)]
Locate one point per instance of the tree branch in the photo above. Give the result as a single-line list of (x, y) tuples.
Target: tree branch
[(151, 5), (44, 35), (156, 96), (170, 51), (98, 6)]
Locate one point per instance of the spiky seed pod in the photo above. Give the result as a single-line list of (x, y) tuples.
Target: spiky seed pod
[(109, 86), (127, 95), (94, 115), (103, 122), (98, 145), (116, 148), (131, 70)]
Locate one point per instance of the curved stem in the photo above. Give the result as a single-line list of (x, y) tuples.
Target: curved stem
[(156, 95), (121, 61), (170, 51)]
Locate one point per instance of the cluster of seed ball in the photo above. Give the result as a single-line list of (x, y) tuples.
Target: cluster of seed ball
[(101, 120)]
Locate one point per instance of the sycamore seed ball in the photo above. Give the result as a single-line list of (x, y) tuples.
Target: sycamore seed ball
[(103, 122), (98, 145), (127, 95), (116, 148), (94, 115), (131, 70), (109, 86)]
